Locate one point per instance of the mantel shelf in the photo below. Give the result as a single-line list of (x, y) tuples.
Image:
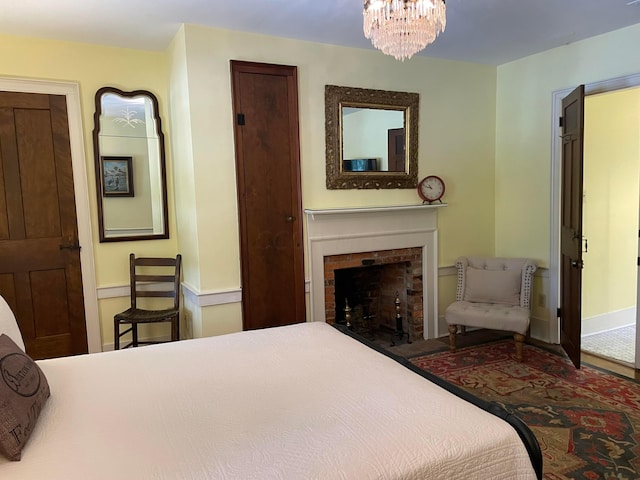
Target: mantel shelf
[(391, 208)]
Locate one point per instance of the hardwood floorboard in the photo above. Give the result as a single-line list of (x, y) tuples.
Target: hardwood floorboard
[(616, 367)]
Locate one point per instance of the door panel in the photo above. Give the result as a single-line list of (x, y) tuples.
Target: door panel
[(268, 174), (396, 149), (571, 224), (40, 274)]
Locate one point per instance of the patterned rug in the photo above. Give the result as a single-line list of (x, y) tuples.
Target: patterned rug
[(587, 421)]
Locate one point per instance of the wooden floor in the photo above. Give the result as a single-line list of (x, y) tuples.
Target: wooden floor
[(609, 365)]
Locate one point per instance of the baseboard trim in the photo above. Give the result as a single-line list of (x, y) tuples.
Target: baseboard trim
[(608, 321)]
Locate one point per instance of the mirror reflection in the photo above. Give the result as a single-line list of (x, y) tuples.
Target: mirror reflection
[(130, 166), (371, 138)]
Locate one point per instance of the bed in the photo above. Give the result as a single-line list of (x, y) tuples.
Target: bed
[(305, 401)]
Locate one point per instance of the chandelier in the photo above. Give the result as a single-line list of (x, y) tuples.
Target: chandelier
[(402, 28)]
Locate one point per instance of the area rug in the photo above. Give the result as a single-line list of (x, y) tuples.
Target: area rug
[(587, 421)]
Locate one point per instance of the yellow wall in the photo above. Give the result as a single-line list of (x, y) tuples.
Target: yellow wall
[(523, 131), (611, 196), (485, 131), (457, 117), (92, 67), (523, 146), (192, 82)]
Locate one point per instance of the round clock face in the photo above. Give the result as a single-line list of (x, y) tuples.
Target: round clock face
[(431, 188)]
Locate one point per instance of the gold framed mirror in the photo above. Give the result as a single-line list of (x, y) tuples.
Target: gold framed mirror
[(131, 178), (371, 138)]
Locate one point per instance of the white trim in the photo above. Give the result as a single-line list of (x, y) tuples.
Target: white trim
[(360, 210), (350, 230), (71, 92), (608, 321), (602, 86), (208, 299), (114, 291)]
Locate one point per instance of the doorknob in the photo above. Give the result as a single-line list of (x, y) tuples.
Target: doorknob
[(577, 264), (290, 218)]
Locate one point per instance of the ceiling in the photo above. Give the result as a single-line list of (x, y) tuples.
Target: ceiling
[(483, 31)]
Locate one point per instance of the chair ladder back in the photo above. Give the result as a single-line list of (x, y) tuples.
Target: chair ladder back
[(142, 285)]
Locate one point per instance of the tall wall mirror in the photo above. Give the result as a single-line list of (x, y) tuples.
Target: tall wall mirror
[(131, 177), (371, 138)]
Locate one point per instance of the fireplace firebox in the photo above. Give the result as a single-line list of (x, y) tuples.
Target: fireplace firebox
[(371, 282)]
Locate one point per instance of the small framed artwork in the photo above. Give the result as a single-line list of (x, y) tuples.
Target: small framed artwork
[(117, 176)]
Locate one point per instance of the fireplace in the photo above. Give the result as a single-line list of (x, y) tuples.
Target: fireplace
[(373, 286), (398, 241)]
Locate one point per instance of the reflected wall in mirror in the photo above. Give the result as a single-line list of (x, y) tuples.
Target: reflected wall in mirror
[(131, 178), (371, 138)]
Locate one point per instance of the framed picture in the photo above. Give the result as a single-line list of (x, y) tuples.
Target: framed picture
[(117, 176)]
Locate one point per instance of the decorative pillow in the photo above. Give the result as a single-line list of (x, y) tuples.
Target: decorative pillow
[(23, 392), (9, 324), (493, 286)]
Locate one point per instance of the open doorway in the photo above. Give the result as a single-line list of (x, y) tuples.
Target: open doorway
[(594, 88), (610, 223)]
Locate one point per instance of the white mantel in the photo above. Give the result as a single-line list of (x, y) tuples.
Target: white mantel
[(352, 230)]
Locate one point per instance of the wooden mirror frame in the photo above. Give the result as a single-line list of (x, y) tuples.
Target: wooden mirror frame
[(97, 161), (335, 98)]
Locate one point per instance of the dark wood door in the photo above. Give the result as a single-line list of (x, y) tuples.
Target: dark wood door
[(40, 274), (571, 224), (265, 100), (396, 150)]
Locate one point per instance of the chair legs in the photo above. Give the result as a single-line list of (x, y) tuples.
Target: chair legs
[(175, 329), (453, 329), (519, 339), (133, 328)]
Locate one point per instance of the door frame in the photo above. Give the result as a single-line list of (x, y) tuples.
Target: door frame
[(592, 88), (81, 191)]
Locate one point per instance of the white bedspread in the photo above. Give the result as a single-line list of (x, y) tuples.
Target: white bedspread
[(297, 402)]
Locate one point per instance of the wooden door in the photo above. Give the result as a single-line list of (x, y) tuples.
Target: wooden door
[(40, 274), (396, 150), (265, 102), (571, 224)]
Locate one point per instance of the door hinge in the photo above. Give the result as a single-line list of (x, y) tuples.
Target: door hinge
[(241, 119), (560, 122), (558, 312)]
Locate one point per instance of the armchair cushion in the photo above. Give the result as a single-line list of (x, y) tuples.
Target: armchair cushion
[(486, 315), (493, 286)]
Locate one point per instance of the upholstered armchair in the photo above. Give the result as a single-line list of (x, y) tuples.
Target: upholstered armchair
[(492, 293)]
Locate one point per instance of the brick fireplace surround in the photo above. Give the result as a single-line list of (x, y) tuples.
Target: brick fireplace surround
[(403, 275), (344, 237)]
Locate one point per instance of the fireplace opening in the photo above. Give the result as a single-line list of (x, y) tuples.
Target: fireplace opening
[(383, 290), (371, 294)]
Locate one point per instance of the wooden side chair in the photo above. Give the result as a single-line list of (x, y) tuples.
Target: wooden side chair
[(150, 277), (492, 293)]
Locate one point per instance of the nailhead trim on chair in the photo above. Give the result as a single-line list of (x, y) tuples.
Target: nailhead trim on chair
[(527, 284), (460, 267)]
